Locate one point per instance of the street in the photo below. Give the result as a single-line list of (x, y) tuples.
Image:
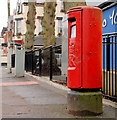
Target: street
[(28, 97)]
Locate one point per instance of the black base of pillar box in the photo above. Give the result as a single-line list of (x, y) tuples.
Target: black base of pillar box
[(84, 103)]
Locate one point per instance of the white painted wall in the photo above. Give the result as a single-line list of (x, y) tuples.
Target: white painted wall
[(39, 10)]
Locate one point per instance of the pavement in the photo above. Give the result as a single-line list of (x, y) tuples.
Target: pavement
[(35, 97)]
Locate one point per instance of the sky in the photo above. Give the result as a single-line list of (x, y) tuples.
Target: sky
[(4, 11)]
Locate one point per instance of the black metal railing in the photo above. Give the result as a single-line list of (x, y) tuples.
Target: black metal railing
[(109, 65), (28, 61), (47, 62), (44, 61)]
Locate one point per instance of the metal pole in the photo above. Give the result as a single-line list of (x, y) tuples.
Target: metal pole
[(107, 64), (115, 66), (26, 61), (51, 62), (40, 62), (108, 53), (32, 59)]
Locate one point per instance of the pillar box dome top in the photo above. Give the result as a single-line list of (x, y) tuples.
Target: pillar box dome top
[(80, 8)]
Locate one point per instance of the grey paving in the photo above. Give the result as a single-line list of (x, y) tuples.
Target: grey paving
[(37, 101)]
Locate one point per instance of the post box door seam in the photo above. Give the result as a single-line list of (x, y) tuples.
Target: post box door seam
[(74, 51)]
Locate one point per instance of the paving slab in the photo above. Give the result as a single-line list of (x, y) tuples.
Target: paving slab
[(40, 100)]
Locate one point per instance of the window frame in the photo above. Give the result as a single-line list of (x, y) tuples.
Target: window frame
[(59, 26), (18, 26), (40, 26), (74, 36)]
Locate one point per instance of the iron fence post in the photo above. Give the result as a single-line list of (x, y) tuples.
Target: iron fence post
[(26, 61), (51, 62), (40, 62), (29, 59), (32, 60), (108, 53), (115, 65), (107, 63)]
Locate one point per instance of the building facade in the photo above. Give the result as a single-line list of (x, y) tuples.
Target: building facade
[(20, 17)]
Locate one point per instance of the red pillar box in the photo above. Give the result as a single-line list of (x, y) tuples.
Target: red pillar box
[(84, 48)]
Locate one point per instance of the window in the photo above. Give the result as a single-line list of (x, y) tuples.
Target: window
[(59, 26), (14, 28), (18, 23), (22, 8), (40, 26), (18, 7), (62, 5), (73, 31)]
